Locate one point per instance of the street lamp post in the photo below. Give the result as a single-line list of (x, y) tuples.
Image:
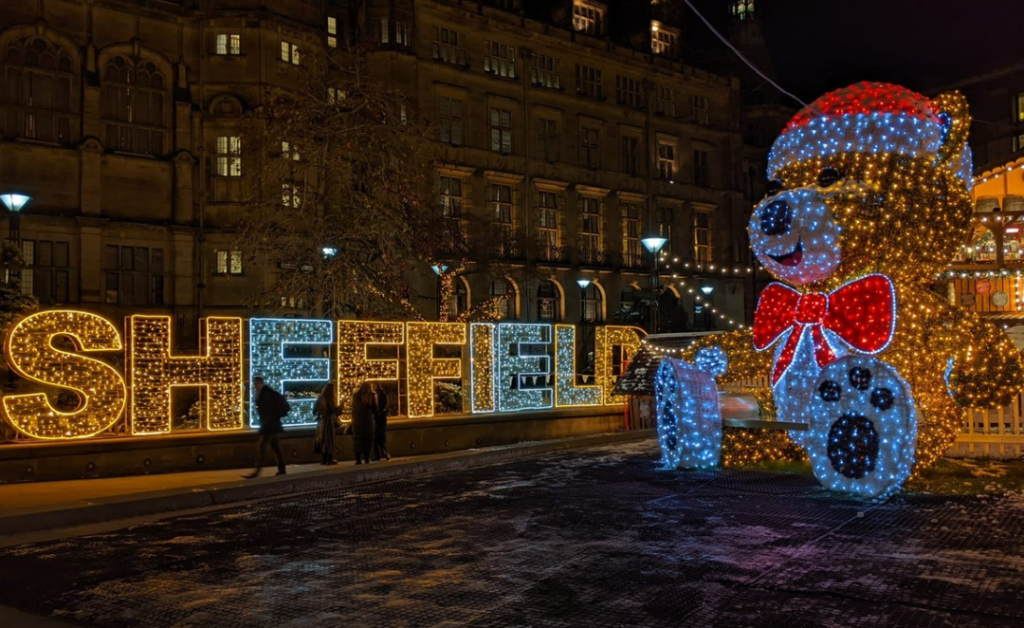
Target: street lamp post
[(329, 252), (15, 203), (707, 290), (583, 283), (654, 244), (584, 340)]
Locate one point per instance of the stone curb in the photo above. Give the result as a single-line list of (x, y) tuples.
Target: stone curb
[(187, 498)]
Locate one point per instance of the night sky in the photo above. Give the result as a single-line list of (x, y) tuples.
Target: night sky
[(819, 45)]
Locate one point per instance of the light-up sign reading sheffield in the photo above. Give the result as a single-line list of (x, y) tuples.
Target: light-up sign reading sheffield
[(510, 367)]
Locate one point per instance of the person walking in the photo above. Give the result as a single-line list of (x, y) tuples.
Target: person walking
[(364, 405), (327, 412), (271, 407), (380, 423)]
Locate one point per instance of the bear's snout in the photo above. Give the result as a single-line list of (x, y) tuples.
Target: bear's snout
[(795, 235)]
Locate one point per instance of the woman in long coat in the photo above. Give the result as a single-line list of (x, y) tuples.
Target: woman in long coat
[(380, 419), (364, 406), (327, 412)]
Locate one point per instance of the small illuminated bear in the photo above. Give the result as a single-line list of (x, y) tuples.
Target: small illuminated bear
[(688, 411), (869, 201)]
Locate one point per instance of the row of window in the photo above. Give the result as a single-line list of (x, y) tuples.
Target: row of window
[(39, 97), (228, 148), (502, 205), (550, 300), (506, 298), (452, 130), (132, 275)]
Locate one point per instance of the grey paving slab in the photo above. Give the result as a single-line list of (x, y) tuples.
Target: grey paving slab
[(594, 538)]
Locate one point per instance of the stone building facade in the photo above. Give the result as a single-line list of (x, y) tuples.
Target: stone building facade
[(575, 124)]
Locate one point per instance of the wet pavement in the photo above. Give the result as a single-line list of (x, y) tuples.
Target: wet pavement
[(589, 538)]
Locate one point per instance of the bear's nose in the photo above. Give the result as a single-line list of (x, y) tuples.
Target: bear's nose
[(775, 217)]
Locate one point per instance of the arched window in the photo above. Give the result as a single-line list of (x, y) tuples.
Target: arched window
[(743, 9), (503, 291), (592, 306), (134, 97), (37, 95), (549, 302)]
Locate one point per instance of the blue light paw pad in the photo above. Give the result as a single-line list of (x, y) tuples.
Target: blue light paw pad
[(863, 427)]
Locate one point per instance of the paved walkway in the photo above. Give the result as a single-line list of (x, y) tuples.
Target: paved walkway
[(590, 538), (34, 506)]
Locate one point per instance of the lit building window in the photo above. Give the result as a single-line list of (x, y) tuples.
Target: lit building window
[(548, 303), (588, 82), (382, 30), (501, 131), (229, 263), (504, 294), (544, 72), (666, 160), (290, 53), (449, 46), (702, 237), (1017, 142), (629, 92), (402, 33), (548, 225), (590, 229), (742, 9), (588, 17), (592, 309), (229, 44), (289, 151), (229, 160), (335, 95), (291, 195), (503, 211), (664, 40), (449, 117), (631, 250), (666, 220), (332, 32), (500, 59), (451, 197)]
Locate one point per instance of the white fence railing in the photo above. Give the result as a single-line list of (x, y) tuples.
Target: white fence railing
[(995, 432)]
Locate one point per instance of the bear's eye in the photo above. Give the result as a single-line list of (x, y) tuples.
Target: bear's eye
[(774, 187), (829, 176), (776, 217)]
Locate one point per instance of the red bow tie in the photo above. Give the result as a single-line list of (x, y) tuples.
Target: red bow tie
[(862, 313)]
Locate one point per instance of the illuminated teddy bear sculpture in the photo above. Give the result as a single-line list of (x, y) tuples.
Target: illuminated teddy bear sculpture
[(868, 202)]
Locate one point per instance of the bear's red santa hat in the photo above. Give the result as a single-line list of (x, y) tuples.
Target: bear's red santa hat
[(867, 118)]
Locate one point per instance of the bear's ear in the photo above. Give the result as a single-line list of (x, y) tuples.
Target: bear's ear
[(951, 107)]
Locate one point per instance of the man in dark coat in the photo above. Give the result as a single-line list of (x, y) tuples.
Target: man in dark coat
[(272, 407)]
